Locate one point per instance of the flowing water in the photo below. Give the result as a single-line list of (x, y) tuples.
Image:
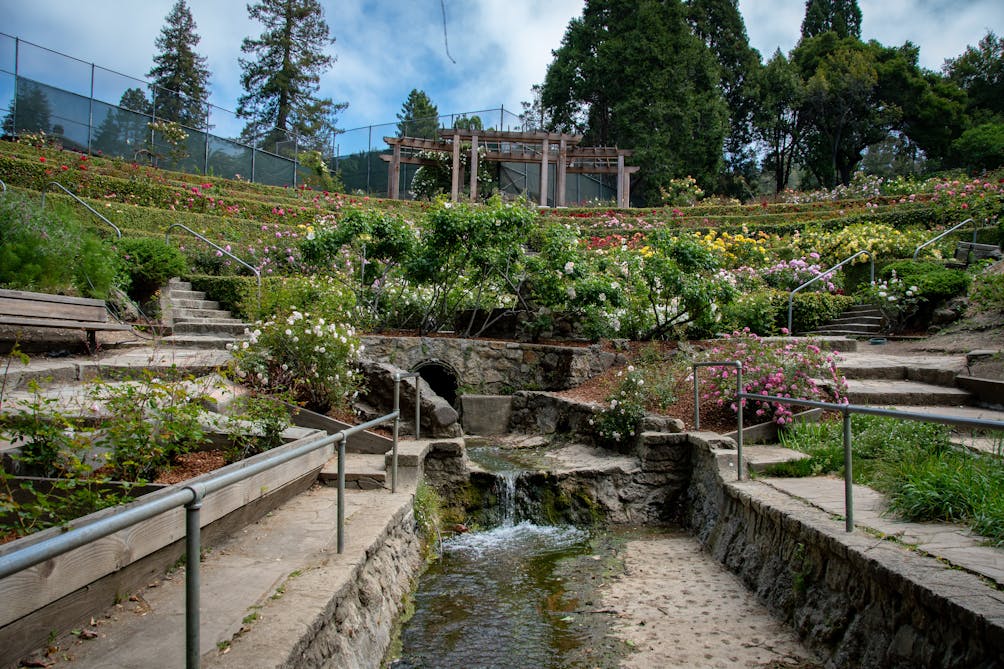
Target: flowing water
[(506, 596)]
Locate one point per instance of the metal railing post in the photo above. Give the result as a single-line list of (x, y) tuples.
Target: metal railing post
[(254, 270), (397, 427), (118, 233), (193, 550), (418, 406), (943, 234), (341, 492), (739, 412), (848, 474)]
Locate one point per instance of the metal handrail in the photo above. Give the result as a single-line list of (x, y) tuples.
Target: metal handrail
[(257, 272), (847, 410), (944, 234), (89, 208), (829, 272), (3, 186), (191, 497), (739, 405), (397, 420)]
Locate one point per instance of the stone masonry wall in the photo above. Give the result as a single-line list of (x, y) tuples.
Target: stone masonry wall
[(867, 602), (496, 367)]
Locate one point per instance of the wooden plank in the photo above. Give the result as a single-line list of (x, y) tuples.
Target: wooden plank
[(57, 323), (47, 297), (35, 587), (42, 309)]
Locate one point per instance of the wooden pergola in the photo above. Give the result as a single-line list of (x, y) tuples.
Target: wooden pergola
[(513, 147)]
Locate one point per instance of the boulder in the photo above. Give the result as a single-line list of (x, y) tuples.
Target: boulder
[(439, 419)]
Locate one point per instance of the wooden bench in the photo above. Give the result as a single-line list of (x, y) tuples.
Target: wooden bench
[(22, 308), (967, 252)]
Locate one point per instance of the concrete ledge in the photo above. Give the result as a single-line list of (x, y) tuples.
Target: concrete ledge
[(486, 414), (988, 392)]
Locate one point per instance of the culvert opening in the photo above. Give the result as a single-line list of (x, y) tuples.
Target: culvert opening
[(441, 378)]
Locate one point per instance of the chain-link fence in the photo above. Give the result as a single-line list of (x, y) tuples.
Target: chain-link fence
[(96, 110)]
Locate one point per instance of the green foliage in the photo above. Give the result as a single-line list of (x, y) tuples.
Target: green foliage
[(256, 425), (935, 282), (618, 423), (840, 16), (179, 73), (979, 71), (51, 251), (149, 263), (987, 294), (662, 99), (914, 463), (326, 296), (980, 148), (281, 75), (680, 192), (238, 294), (428, 508), (154, 421), (308, 355), (418, 116)]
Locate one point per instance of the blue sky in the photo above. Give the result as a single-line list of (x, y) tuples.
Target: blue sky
[(386, 48)]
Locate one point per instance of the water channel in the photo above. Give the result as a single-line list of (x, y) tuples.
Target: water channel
[(523, 594)]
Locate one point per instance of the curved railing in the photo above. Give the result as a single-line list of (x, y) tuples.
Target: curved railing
[(827, 273), (118, 233), (945, 234), (255, 270)]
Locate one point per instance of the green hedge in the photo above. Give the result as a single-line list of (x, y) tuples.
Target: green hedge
[(765, 312)]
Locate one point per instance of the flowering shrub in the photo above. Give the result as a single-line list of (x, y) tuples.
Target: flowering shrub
[(796, 369), (302, 354), (684, 191), (617, 424), (897, 300), (884, 241), (737, 249)]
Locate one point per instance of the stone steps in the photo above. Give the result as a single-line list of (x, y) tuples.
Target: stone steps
[(860, 320), (191, 317)]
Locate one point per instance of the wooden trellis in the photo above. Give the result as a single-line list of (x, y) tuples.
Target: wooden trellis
[(513, 147)]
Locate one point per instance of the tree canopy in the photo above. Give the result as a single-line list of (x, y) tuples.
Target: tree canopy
[(418, 116), (281, 77), (840, 16), (633, 74), (179, 73)]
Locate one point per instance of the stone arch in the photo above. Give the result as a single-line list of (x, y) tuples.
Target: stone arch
[(441, 376)]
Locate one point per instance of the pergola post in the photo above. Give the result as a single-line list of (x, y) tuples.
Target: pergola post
[(543, 171), (559, 185), (620, 180), (474, 168), (455, 186), (394, 178)]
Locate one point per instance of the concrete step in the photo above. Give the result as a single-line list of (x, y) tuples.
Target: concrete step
[(199, 341), (759, 458), (882, 392), (863, 310), (179, 284), (364, 471), (854, 325), (189, 314), (938, 370), (185, 303), (852, 333), (210, 327), (176, 294), (857, 318)]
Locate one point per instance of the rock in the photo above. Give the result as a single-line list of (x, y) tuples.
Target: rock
[(124, 307), (653, 423), (439, 419)]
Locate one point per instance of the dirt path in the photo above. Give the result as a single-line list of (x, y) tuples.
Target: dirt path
[(677, 607)]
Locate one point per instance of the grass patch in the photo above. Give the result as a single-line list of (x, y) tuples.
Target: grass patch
[(914, 464)]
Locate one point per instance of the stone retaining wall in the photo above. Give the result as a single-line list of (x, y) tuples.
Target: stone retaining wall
[(352, 626), (496, 367), (866, 601)]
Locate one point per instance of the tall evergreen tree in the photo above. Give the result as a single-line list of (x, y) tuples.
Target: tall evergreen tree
[(840, 16), (282, 76), (979, 71), (534, 116), (418, 116), (720, 26), (632, 74), (779, 122), (179, 73)]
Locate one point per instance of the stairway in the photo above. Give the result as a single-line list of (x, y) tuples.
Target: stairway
[(194, 321), (860, 320)]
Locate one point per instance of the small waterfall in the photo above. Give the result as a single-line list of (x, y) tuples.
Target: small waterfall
[(505, 495)]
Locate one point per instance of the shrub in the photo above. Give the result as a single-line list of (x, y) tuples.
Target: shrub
[(796, 369), (935, 282), (988, 294), (154, 421), (303, 354), (149, 263), (51, 251), (617, 424)]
